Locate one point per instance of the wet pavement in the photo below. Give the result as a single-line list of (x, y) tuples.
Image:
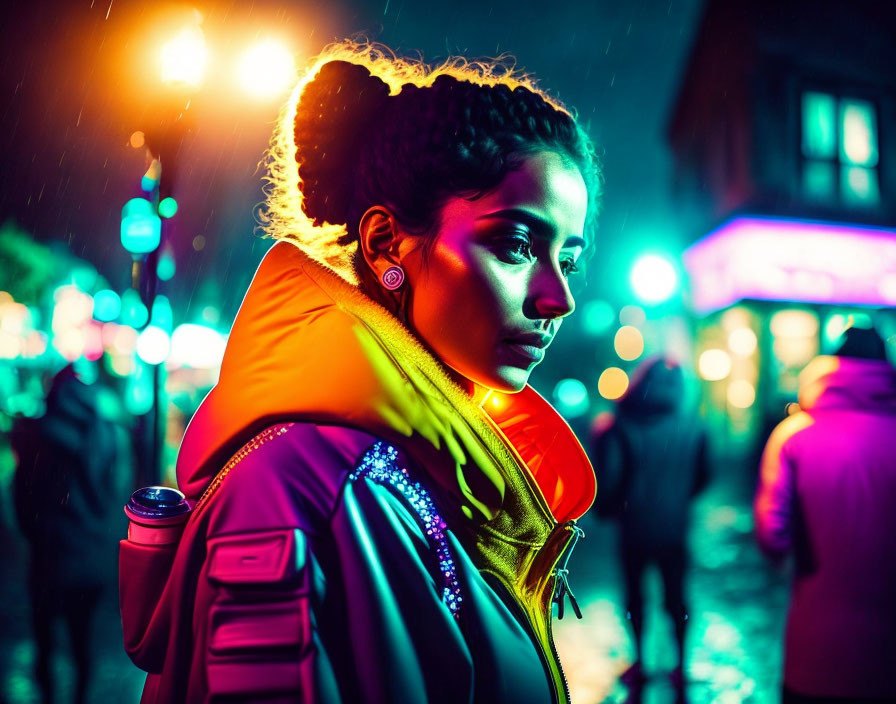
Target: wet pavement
[(737, 607)]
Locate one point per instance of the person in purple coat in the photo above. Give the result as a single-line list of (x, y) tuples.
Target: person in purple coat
[(826, 494)]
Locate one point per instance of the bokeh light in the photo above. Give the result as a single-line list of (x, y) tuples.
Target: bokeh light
[(168, 207), (197, 346), (167, 266), (714, 365), (266, 69), (597, 317), (184, 58), (653, 278), (106, 305), (133, 311), (741, 393), (632, 315), (628, 343), (613, 382), (742, 342), (153, 345), (571, 397)]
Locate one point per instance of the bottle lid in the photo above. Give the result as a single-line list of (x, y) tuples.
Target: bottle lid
[(158, 502)]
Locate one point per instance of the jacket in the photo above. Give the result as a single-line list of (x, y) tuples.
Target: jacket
[(826, 493), (373, 535), (64, 469), (651, 457)]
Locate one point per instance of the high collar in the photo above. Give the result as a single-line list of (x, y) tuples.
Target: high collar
[(848, 383), (308, 346)]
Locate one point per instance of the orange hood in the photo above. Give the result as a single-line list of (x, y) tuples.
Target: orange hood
[(307, 345)]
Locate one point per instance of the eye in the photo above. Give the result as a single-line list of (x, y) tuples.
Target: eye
[(514, 247), (568, 267)]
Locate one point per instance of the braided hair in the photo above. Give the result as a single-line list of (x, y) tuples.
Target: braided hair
[(369, 128)]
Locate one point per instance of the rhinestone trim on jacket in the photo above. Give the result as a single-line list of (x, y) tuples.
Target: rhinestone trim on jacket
[(380, 465)]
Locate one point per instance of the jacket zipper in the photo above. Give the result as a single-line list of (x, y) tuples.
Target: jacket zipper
[(545, 603)]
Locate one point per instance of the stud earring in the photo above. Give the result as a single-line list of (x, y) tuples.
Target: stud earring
[(393, 278)]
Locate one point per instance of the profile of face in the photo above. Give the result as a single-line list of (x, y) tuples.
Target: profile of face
[(491, 292)]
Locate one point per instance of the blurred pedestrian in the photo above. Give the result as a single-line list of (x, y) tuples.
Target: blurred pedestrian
[(827, 494), (651, 459), (64, 464)]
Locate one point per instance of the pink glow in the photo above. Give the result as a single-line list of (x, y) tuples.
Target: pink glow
[(792, 260)]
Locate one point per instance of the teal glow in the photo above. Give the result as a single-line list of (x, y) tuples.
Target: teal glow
[(819, 180), (141, 228), (819, 135), (858, 133), (597, 317), (162, 315), (136, 206), (106, 305), (653, 279), (859, 185), (133, 312), (138, 396), (571, 397), (168, 207), (166, 267)]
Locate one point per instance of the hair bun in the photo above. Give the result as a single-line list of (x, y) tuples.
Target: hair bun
[(335, 112)]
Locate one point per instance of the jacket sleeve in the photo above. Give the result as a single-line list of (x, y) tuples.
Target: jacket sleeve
[(773, 507), (260, 587), (260, 643)]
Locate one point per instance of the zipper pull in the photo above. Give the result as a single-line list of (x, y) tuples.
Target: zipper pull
[(561, 589), (561, 578)]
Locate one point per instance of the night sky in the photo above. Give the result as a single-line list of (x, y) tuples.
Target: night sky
[(77, 81)]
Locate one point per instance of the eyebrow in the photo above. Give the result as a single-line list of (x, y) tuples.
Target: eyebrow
[(539, 226)]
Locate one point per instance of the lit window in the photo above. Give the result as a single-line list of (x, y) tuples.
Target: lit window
[(858, 133), (819, 135), (839, 146)]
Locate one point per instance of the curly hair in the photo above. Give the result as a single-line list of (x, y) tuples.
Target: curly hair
[(365, 127)]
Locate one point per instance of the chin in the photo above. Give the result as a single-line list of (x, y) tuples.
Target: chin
[(508, 380)]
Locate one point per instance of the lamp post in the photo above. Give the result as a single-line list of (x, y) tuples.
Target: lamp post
[(265, 70), (146, 220)]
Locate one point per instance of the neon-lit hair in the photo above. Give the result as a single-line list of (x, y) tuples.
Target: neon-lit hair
[(345, 162)]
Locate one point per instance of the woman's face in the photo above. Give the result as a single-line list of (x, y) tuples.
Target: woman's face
[(493, 289)]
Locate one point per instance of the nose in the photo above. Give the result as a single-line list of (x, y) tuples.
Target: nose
[(552, 297)]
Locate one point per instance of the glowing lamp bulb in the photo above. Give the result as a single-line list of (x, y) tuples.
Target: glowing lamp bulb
[(265, 69), (184, 58), (653, 278)]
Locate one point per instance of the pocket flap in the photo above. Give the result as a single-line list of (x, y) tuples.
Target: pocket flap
[(269, 557)]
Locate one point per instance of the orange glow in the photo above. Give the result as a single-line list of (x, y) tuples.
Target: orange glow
[(613, 382), (628, 343), (266, 69), (282, 216), (184, 57)]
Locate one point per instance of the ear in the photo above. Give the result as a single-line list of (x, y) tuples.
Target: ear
[(380, 239)]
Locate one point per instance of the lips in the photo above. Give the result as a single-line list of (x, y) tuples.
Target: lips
[(529, 346)]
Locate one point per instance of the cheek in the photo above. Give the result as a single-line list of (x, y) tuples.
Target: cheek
[(464, 300)]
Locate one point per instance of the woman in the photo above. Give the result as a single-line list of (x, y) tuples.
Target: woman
[(394, 498)]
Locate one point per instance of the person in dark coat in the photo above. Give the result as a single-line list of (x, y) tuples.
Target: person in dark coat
[(64, 461), (826, 495), (651, 459)]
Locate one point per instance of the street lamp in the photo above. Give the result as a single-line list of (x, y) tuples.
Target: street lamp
[(265, 69)]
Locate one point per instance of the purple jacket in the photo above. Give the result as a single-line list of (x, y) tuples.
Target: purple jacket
[(827, 493), (356, 493)]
